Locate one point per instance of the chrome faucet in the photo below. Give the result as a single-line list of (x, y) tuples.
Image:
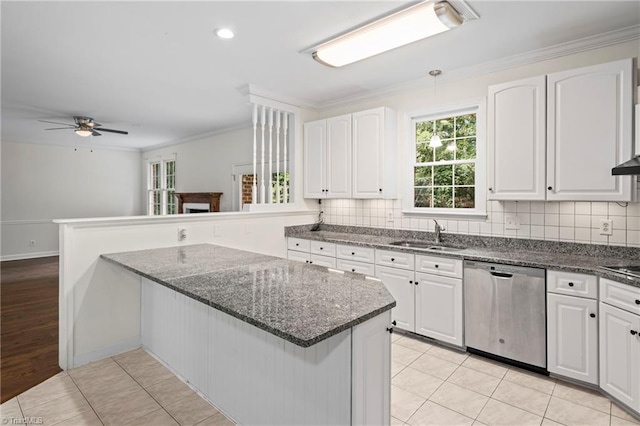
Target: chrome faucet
[(439, 229)]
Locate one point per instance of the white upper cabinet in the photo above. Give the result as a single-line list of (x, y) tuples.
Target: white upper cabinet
[(569, 155), (517, 137), (589, 132), (374, 153), (327, 158)]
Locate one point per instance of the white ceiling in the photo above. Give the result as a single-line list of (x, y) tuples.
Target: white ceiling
[(156, 69)]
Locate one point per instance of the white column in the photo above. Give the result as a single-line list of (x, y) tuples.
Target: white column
[(262, 122), (278, 156), (270, 193), (285, 125), (254, 188)]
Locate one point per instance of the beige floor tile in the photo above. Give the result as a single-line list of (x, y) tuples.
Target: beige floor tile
[(10, 410), (88, 418), (101, 367), (461, 400), (447, 354), (404, 404), (549, 422), (217, 419), (57, 410), (433, 414), (50, 389), (570, 414), (109, 389), (396, 336), (477, 423), (484, 365), (155, 418), (396, 367), (396, 422), (617, 421), (403, 355), (125, 408), (583, 396), (620, 413), (527, 399), (474, 380), (499, 413), (417, 382), (433, 366), (531, 380), (169, 391), (149, 373), (134, 359), (414, 343), (190, 410)]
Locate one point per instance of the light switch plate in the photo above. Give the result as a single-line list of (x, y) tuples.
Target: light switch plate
[(511, 222), (606, 226)]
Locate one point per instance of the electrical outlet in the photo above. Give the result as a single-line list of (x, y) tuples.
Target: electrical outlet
[(606, 226), (511, 222), (32, 243), (182, 234)]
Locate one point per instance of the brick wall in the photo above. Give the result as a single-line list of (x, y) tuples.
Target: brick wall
[(247, 183)]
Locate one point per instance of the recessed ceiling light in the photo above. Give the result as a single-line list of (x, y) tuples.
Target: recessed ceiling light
[(225, 33)]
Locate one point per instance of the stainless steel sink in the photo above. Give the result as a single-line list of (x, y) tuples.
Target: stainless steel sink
[(425, 246)]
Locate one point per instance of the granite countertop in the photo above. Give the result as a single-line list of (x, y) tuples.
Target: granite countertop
[(301, 303), (533, 253)]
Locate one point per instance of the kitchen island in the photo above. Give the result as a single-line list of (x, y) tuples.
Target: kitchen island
[(267, 340)]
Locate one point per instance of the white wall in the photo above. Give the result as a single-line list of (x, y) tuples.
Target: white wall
[(45, 182), (568, 221)]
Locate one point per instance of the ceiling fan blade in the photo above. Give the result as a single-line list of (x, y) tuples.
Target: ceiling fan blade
[(122, 132), (55, 122), (60, 128), (94, 133), (94, 124)]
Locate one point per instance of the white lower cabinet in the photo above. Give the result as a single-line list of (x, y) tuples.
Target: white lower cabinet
[(400, 284), (439, 308), (298, 256), (572, 337), (329, 262)]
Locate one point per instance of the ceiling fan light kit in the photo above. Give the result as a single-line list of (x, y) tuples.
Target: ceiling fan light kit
[(398, 29), (84, 127)]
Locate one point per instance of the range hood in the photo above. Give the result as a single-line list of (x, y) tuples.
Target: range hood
[(631, 167)]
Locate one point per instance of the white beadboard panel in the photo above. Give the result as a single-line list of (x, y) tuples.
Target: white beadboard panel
[(231, 362)]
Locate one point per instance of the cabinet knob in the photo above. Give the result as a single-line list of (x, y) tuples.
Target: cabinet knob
[(637, 301), (380, 190), (390, 330), (417, 283), (437, 266), (353, 253), (592, 315), (306, 261), (410, 281), (570, 284), (633, 332), (353, 270), (394, 322), (297, 244), (490, 189), (393, 259), (321, 248), (311, 261), (549, 188)]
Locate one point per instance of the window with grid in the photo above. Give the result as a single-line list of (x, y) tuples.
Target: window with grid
[(444, 178), (161, 188)]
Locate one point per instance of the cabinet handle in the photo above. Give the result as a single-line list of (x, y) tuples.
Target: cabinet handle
[(633, 332), (637, 301), (394, 322), (570, 284), (592, 315)]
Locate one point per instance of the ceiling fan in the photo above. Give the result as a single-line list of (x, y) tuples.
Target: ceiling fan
[(85, 126)]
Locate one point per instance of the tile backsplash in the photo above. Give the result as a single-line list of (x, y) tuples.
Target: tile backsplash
[(553, 221)]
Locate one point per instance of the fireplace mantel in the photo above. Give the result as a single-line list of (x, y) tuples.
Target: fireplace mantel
[(211, 198)]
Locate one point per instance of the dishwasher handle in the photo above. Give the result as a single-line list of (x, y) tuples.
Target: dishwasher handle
[(501, 274)]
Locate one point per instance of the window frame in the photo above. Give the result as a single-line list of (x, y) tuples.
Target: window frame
[(163, 189), (477, 106)]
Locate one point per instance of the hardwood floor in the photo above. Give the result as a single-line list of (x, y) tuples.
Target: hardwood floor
[(29, 315)]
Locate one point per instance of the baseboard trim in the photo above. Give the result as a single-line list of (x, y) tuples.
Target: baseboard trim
[(24, 256), (106, 352)]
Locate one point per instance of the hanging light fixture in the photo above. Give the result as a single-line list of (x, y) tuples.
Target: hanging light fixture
[(414, 23), (435, 141), (83, 132)]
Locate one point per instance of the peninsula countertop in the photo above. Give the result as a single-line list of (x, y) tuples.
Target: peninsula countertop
[(303, 304)]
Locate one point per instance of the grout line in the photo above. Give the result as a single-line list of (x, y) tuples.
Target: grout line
[(86, 399)]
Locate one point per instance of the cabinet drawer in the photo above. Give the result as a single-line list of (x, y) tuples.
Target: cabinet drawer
[(573, 284), (323, 248), (328, 261), (621, 295), (360, 254), (298, 244), (443, 266), (298, 256), (395, 259), (354, 266)]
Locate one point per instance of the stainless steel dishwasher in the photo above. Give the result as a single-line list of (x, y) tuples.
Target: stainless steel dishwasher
[(505, 312)]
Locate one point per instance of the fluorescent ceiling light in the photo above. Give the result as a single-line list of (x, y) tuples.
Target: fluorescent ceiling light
[(83, 132), (225, 33), (412, 24)]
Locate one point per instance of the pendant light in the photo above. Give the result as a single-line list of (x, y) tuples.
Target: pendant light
[(435, 141)]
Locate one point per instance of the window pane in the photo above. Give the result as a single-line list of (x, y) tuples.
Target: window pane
[(442, 153), (422, 176), (424, 153), (465, 197), (465, 174), (466, 125), (466, 149), (444, 127), (424, 130), (443, 197), (422, 197), (443, 175)]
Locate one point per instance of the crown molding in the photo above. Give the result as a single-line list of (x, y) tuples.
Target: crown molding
[(250, 90), (559, 50), (238, 126)]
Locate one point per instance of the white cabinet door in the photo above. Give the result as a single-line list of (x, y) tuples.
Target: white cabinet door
[(620, 354), (439, 308), (572, 337), (517, 138), (298, 256), (589, 131), (338, 157), (314, 159), (400, 284)]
